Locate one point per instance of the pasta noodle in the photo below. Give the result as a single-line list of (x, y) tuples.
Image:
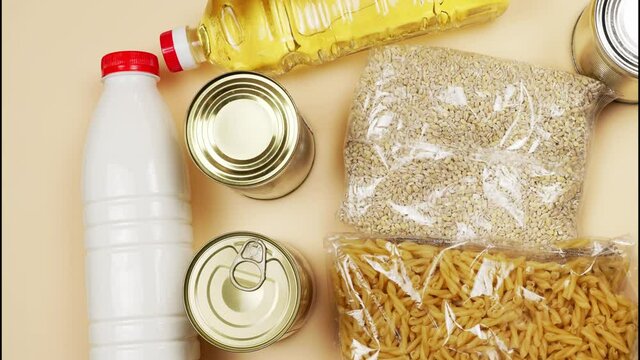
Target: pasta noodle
[(425, 299)]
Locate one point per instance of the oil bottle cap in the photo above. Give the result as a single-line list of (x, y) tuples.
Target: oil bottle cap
[(129, 61), (176, 50)]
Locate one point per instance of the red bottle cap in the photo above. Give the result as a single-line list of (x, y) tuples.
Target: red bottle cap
[(129, 61), (169, 52), (176, 50)]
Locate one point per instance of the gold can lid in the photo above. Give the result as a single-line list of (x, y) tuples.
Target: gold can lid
[(617, 30), (242, 292), (242, 129)]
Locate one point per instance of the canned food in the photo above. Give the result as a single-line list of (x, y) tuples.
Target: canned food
[(605, 45), (244, 291), (244, 131)]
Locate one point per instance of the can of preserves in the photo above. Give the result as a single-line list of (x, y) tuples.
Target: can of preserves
[(605, 45), (244, 130), (244, 291)]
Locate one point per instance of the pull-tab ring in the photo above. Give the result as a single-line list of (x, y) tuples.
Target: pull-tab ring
[(254, 252)]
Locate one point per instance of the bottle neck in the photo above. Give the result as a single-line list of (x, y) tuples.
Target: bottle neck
[(130, 78), (198, 43)]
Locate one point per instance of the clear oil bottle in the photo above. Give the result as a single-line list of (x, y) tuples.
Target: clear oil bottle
[(273, 36)]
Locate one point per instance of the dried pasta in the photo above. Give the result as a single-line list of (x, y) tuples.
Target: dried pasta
[(422, 299)]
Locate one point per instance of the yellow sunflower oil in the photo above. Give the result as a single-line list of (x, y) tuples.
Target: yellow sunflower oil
[(273, 36)]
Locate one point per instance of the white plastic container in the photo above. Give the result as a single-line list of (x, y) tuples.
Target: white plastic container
[(137, 218)]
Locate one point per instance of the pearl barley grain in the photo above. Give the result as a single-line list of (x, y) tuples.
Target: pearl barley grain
[(456, 145)]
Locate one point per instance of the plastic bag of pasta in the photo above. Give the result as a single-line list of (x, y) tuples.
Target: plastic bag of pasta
[(448, 144), (425, 299)]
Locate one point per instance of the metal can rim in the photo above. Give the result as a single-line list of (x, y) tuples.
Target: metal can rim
[(621, 63), (290, 258), (289, 151)]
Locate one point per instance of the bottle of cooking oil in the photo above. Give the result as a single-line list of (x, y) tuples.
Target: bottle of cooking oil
[(273, 36)]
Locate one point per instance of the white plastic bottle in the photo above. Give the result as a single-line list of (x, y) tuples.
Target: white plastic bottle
[(137, 219)]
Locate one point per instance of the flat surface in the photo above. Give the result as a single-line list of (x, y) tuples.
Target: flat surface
[(50, 83)]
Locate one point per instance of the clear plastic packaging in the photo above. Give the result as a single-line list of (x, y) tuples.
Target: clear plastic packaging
[(400, 298), (449, 144), (274, 36)]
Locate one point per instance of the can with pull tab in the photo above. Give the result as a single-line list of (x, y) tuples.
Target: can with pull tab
[(244, 291)]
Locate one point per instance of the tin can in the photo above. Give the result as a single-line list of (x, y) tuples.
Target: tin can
[(244, 291), (605, 45), (244, 130)]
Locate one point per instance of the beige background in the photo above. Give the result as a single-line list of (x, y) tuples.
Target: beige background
[(51, 81)]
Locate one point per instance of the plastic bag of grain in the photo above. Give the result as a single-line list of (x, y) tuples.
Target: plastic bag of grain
[(454, 145)]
